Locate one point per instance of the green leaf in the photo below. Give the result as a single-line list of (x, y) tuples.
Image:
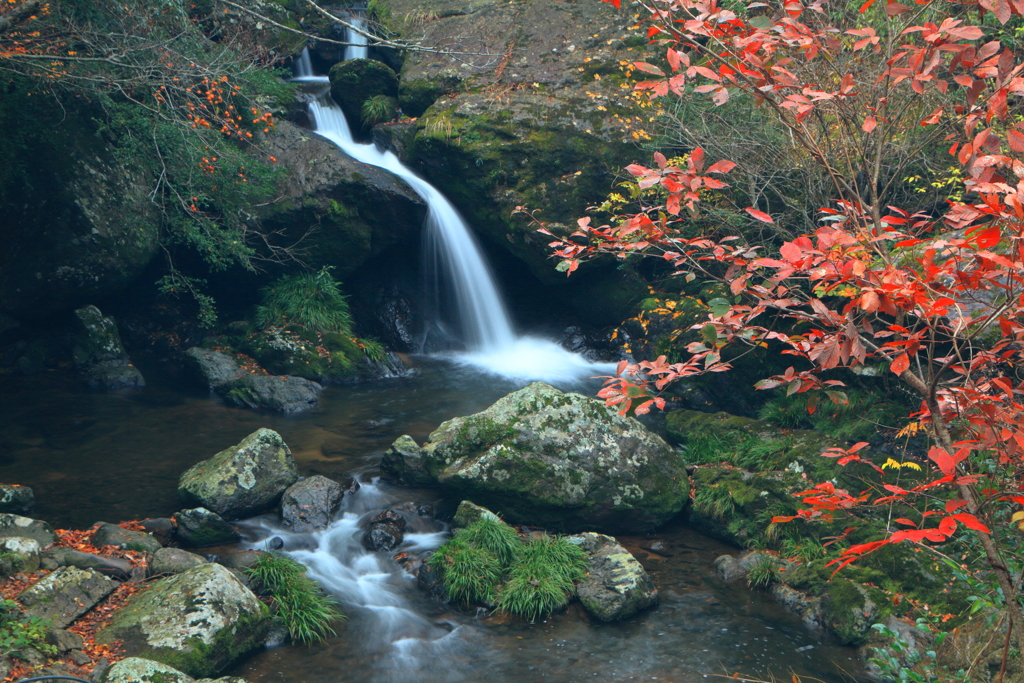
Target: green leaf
[(760, 22), (719, 307)]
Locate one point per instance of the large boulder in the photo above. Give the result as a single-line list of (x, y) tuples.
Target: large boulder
[(310, 504), (199, 621), (243, 480), (616, 585), (357, 80), (138, 670), (559, 460), (98, 352), (65, 594), (270, 392), (25, 527)]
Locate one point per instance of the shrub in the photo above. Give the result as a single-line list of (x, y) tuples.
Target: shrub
[(303, 607), (18, 635), (312, 300)]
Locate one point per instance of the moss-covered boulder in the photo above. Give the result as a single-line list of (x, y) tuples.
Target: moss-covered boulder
[(65, 594), (98, 352), (200, 527), (616, 586), (138, 670), (280, 394), (126, 539), (559, 460), (294, 350), (199, 621), (243, 480), (357, 80)]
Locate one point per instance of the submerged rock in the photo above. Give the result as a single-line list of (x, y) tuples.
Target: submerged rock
[(562, 461), (616, 586), (242, 480), (270, 392), (199, 527), (199, 621), (310, 504), (66, 594), (17, 499), (100, 355)]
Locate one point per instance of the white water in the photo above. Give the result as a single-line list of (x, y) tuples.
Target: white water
[(491, 342), (356, 39)]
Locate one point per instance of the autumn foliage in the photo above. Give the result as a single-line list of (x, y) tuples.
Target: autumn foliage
[(934, 297)]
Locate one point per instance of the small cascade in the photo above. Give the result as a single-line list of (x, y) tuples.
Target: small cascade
[(355, 36), (485, 323)]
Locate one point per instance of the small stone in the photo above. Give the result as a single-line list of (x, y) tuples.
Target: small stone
[(275, 543), (65, 640), (403, 463), (386, 531), (126, 539), (616, 586), (173, 561), (241, 560), (310, 504), (469, 512), (161, 528), (200, 527), (80, 658), (114, 567)]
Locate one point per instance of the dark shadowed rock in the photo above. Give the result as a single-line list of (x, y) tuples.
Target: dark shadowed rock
[(65, 640), (16, 499), (200, 527), (310, 504), (100, 355), (66, 594), (126, 539), (386, 531), (161, 528), (242, 480), (271, 392), (212, 367)]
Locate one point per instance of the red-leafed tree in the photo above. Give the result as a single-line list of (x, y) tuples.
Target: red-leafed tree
[(936, 296)]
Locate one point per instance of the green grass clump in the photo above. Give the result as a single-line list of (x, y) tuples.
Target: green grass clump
[(378, 109), (543, 579), (764, 573), (469, 574), (312, 300), (303, 607), (495, 537)]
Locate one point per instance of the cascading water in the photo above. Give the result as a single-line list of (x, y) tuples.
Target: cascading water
[(490, 340), (355, 35)]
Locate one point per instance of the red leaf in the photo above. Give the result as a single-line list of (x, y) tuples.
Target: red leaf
[(870, 122), (723, 166), (971, 522), (759, 215), (900, 365)]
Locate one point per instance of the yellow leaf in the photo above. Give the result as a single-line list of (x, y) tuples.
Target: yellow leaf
[(1017, 516)]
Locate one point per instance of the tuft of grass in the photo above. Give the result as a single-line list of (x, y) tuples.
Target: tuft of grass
[(469, 574), (378, 109), (543, 579), (715, 501), (306, 611), (312, 300), (495, 537), (764, 573)]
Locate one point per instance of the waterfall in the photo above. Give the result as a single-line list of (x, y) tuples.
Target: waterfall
[(356, 39), (491, 343)]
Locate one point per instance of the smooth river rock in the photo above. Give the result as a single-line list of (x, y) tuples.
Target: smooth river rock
[(558, 460), (616, 586), (243, 480)]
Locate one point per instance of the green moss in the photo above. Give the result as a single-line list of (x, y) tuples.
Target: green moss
[(227, 647)]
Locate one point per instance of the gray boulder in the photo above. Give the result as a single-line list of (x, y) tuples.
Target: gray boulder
[(138, 670), (562, 461), (616, 586), (65, 594), (212, 367), (65, 641), (310, 504), (403, 462), (18, 555), (17, 499), (270, 392), (469, 512), (113, 567), (199, 621), (173, 561), (200, 527), (126, 539), (98, 352), (242, 480), (25, 527)]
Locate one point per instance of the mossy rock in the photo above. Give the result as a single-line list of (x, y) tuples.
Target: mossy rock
[(200, 621), (357, 80), (294, 350), (559, 460)]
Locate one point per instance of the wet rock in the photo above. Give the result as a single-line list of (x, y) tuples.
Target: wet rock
[(212, 367), (65, 640), (270, 392), (16, 499), (561, 461), (25, 527), (138, 670), (241, 560), (100, 355), (126, 539), (242, 480), (173, 561), (199, 621), (357, 80), (469, 512), (807, 607), (310, 504), (113, 567), (429, 581), (161, 528), (403, 462), (386, 531), (659, 547), (275, 543), (18, 554), (616, 586), (66, 594), (729, 568), (200, 527)]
